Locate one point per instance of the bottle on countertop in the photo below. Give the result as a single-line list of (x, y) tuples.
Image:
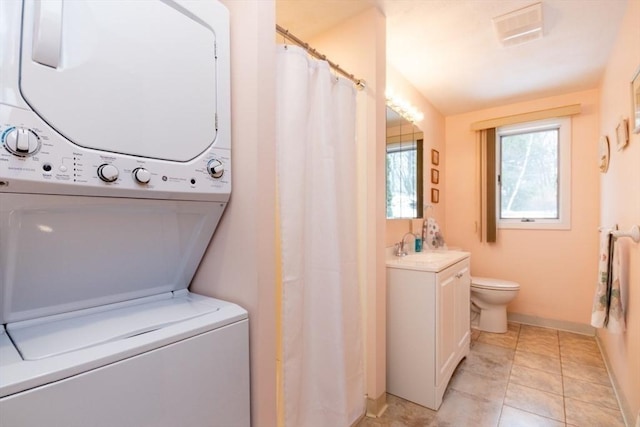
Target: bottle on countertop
[(418, 243)]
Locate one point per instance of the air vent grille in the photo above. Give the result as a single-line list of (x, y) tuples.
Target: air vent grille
[(519, 26)]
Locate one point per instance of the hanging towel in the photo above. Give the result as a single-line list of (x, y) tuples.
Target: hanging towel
[(616, 323), (607, 309)]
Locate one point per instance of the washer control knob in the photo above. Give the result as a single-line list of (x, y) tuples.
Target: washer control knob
[(22, 142), (215, 168), (108, 172), (141, 175)]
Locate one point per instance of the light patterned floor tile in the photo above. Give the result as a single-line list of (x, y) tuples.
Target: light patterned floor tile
[(507, 340), (539, 402), (488, 360), (583, 358), (538, 361), (512, 417), (583, 414), (528, 330), (400, 413), (537, 379), (539, 347), (487, 387), (539, 339), (595, 394), (567, 337), (584, 372), (462, 409)]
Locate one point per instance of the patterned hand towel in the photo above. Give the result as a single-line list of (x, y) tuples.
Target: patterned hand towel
[(607, 309), (600, 310), (616, 323)]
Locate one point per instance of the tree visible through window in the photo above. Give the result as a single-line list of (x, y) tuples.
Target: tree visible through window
[(533, 168), (404, 163), (529, 175)]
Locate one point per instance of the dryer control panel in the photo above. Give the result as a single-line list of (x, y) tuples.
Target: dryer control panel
[(32, 153)]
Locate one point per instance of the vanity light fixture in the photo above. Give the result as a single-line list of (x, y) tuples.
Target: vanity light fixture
[(519, 26), (403, 107)]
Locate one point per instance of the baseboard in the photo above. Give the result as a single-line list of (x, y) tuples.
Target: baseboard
[(376, 407), (563, 325)]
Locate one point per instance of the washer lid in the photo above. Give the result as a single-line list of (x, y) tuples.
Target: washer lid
[(489, 283), (135, 78), (64, 334)]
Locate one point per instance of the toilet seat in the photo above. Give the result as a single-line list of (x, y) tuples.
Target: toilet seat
[(493, 284)]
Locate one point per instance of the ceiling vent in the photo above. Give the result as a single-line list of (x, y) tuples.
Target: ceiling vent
[(519, 26)]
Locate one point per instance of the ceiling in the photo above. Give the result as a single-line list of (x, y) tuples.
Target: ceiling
[(448, 49)]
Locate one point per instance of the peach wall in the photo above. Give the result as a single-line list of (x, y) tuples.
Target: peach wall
[(556, 269), (620, 203), (358, 45), (433, 128), (239, 264)]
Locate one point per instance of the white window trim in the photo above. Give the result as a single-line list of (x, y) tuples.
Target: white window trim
[(564, 163)]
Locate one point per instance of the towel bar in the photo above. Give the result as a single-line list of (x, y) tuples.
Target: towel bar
[(633, 233)]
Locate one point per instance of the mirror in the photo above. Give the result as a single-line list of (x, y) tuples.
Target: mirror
[(403, 167)]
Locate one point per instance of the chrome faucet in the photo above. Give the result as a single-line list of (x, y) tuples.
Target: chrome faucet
[(400, 250)]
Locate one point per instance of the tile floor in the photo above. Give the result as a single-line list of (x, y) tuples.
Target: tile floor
[(529, 376)]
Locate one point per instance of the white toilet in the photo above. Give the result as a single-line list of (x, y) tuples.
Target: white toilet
[(490, 297)]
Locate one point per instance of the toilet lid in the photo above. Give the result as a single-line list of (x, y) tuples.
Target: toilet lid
[(489, 283)]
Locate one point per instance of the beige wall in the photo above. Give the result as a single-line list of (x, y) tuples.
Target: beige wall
[(358, 45), (620, 204), (433, 128), (239, 264), (556, 269)]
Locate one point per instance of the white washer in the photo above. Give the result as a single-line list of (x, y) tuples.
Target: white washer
[(114, 172)]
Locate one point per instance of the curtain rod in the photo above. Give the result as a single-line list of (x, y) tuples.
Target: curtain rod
[(360, 84)]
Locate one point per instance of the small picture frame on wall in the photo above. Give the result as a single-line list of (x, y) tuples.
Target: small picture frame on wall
[(435, 157), (435, 176), (635, 102), (435, 195), (622, 134)]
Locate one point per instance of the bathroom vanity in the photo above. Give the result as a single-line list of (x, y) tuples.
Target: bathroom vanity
[(428, 329)]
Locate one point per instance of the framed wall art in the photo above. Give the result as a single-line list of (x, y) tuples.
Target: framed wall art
[(435, 157), (435, 176), (435, 195)]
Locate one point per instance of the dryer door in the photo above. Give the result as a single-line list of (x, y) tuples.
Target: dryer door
[(135, 77)]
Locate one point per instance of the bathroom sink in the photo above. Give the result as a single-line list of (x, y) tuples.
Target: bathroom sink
[(428, 261)]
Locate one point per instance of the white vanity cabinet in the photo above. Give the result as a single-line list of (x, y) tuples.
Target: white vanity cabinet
[(428, 327)]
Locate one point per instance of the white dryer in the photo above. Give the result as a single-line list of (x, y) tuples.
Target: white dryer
[(115, 166)]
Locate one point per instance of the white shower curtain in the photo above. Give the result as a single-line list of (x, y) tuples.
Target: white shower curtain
[(323, 364)]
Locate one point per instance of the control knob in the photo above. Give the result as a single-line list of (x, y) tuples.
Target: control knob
[(22, 142), (108, 172), (141, 175), (215, 168)]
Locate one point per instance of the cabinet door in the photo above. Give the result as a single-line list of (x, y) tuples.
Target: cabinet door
[(446, 326), (462, 326)]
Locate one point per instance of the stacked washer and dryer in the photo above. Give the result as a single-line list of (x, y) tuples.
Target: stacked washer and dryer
[(114, 172)]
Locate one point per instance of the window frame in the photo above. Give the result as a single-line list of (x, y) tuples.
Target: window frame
[(563, 222)]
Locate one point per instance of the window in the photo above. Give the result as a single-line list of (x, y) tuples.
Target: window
[(404, 183), (533, 174)]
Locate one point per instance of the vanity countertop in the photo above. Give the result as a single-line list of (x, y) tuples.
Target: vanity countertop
[(433, 261)]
